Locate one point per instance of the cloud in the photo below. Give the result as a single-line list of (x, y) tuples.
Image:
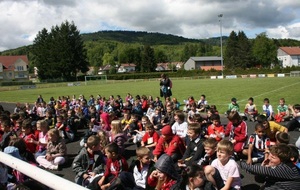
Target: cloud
[(21, 20)]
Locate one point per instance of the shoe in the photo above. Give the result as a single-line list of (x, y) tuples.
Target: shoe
[(254, 160), (53, 167)]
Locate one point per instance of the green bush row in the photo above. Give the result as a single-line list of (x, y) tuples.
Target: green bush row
[(15, 83)]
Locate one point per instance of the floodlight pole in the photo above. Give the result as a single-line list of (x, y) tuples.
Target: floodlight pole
[(220, 20)]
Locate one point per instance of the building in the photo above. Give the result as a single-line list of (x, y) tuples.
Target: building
[(169, 66), (289, 56), (126, 68), (14, 68), (204, 63)]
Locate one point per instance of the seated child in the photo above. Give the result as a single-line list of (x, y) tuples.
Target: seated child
[(278, 170), (180, 126), (193, 177), (42, 140), (170, 144), (215, 130), (294, 124), (210, 148), (132, 128), (165, 175), (233, 106), (28, 135), (283, 111), (237, 131), (150, 139), (156, 118), (258, 143), (271, 128), (250, 110), (282, 137), (223, 171), (89, 162), (192, 112), (56, 151), (268, 109), (114, 165), (139, 171), (194, 151), (117, 135)]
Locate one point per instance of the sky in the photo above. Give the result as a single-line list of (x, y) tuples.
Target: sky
[(21, 20)]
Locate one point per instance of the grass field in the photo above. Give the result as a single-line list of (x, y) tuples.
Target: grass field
[(218, 92)]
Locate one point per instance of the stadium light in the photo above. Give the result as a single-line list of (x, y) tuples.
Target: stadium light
[(220, 20)]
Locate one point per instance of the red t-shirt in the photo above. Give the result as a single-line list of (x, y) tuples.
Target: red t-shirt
[(147, 139)]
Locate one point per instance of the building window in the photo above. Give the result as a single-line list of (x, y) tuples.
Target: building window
[(21, 75), (20, 68)]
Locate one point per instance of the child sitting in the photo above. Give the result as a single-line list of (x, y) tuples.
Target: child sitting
[(216, 130), (258, 143), (237, 131), (223, 171), (117, 135), (278, 170), (150, 139), (180, 126), (250, 110), (268, 109), (283, 111), (89, 162), (56, 151), (194, 151), (210, 148), (114, 165), (282, 137), (271, 128), (233, 106), (28, 135), (165, 175)]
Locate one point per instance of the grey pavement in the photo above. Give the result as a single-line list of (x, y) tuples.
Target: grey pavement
[(248, 181)]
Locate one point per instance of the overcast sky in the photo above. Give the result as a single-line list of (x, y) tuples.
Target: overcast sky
[(20, 20)]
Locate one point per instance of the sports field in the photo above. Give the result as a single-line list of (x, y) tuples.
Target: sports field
[(218, 91)]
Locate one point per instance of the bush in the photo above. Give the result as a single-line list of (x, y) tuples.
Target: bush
[(16, 83)]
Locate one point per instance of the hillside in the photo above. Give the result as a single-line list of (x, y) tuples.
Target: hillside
[(136, 37)]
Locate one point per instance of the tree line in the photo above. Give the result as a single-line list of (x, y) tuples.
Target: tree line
[(63, 52)]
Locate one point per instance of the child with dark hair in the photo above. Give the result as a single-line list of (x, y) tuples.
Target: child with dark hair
[(180, 126), (150, 139), (193, 177), (282, 137), (114, 166), (294, 124), (271, 128), (258, 143), (28, 135), (277, 170), (89, 162), (215, 130), (194, 151), (268, 109), (250, 110), (237, 131)]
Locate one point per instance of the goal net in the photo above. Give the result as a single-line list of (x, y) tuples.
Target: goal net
[(95, 79)]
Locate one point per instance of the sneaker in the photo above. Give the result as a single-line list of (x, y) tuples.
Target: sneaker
[(254, 160), (53, 167)]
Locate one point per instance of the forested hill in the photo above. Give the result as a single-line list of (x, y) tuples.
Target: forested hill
[(137, 37)]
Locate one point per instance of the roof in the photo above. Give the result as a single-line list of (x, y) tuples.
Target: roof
[(210, 58), (9, 60), (291, 50), (128, 65)]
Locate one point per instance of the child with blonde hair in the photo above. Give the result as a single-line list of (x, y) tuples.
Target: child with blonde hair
[(117, 135)]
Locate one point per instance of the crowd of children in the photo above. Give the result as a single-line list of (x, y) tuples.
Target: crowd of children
[(191, 143)]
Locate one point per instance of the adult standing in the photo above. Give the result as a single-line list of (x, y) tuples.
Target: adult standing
[(165, 86)]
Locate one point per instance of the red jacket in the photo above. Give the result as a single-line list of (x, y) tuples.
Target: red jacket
[(115, 167), (152, 182), (175, 145), (238, 133)]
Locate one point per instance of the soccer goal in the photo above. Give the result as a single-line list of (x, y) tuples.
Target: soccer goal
[(95, 79)]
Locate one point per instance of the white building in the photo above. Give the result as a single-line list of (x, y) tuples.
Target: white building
[(289, 56)]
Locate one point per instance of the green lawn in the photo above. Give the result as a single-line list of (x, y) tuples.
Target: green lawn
[(218, 92)]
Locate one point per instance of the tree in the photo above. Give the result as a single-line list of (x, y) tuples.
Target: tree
[(264, 50), (148, 60), (244, 54), (230, 56), (60, 50)]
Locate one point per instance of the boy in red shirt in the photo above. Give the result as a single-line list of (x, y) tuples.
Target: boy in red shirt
[(150, 139), (28, 135), (215, 130), (114, 166)]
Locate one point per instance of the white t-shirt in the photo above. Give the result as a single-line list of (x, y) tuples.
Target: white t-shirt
[(180, 129), (229, 170)]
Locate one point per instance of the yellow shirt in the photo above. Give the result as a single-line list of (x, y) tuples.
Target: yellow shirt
[(273, 129)]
